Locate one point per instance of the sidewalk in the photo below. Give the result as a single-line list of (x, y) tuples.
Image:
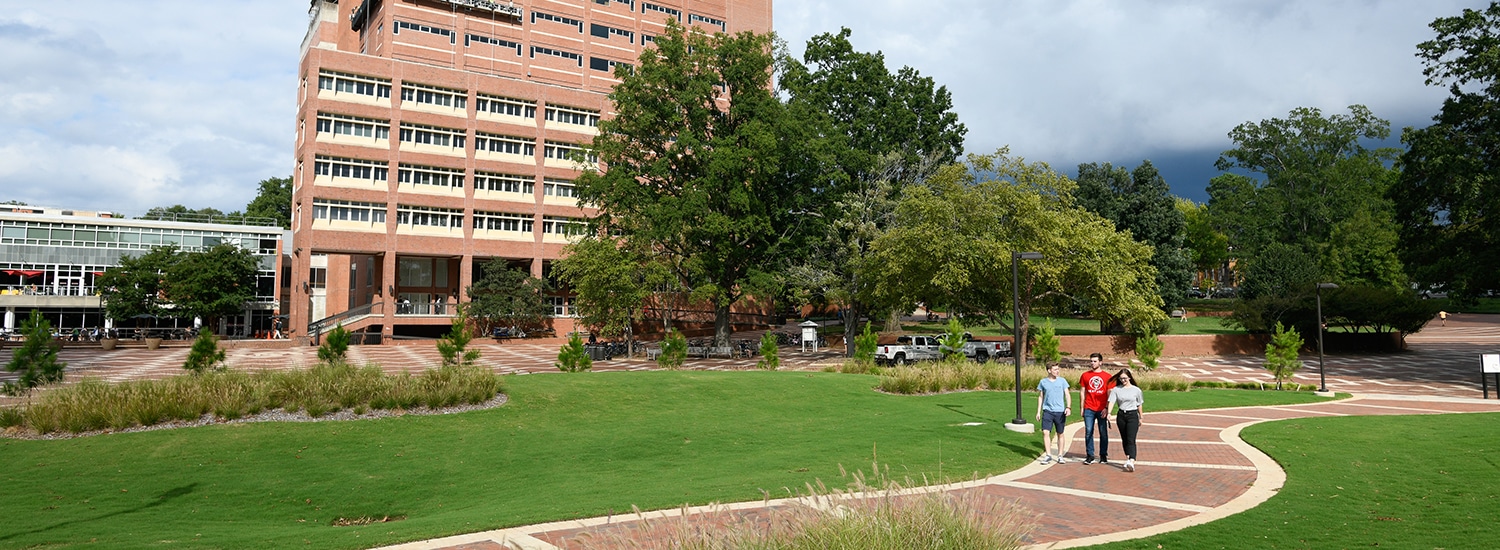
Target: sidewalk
[(1193, 469)]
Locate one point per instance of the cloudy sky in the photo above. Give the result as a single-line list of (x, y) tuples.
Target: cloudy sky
[(127, 105)]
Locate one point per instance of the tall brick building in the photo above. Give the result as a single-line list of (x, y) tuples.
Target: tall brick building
[(435, 135)]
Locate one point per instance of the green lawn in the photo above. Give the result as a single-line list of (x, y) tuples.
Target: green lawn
[(1387, 482), (1081, 327), (565, 446)]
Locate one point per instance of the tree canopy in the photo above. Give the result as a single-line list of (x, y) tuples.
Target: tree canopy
[(1140, 201), (274, 201), (704, 164), (1448, 197), (506, 297), (951, 243), (135, 290), (212, 283)]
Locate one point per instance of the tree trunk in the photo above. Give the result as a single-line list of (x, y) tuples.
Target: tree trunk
[(630, 336), (721, 325), (893, 321), (851, 326)]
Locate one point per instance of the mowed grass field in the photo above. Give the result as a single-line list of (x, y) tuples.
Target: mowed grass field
[(1366, 482), (565, 446)]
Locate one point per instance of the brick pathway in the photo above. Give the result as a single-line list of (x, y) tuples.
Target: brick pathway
[(1193, 469)]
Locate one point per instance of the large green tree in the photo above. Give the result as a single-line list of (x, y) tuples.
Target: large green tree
[(952, 239), (704, 164), (889, 130), (1139, 201), (1207, 247), (212, 283), (611, 282), (135, 290), (1448, 197), (506, 297), (273, 201)]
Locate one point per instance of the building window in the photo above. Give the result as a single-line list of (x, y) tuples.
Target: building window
[(558, 225), (565, 151), (607, 65), (573, 115), (326, 209), (647, 6), (562, 306), (412, 174), (510, 145), (317, 277), (504, 183), (545, 51), (432, 135), (345, 125), (423, 28), (499, 42), (535, 15), (502, 221), (559, 188), (339, 167), (605, 32), (427, 216), (693, 17), (505, 106), (353, 84), (431, 95)]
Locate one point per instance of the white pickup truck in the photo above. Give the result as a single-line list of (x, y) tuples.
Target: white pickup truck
[(903, 349)]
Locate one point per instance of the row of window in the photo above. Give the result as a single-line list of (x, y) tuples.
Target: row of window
[(458, 99), (431, 216), (414, 174), (337, 124), (141, 238)]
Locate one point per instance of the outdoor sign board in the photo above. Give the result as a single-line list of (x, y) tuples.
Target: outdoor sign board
[(1489, 365)]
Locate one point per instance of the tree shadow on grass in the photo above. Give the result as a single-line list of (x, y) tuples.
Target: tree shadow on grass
[(169, 495), (955, 408)]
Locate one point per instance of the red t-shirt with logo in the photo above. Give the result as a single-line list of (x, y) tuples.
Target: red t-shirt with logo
[(1095, 390)]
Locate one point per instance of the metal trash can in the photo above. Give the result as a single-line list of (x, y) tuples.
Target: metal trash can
[(597, 352)]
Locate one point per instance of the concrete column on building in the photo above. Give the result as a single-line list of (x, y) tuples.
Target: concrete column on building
[(388, 274), (10, 319), (465, 276)]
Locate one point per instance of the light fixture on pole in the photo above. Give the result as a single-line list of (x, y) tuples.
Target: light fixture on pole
[(1322, 380), (1019, 424)]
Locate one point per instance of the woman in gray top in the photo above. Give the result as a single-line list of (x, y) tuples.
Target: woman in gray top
[(1128, 397)]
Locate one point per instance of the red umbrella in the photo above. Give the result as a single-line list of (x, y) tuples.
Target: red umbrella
[(31, 273)]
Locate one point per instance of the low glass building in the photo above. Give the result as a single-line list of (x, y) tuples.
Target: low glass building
[(50, 259)]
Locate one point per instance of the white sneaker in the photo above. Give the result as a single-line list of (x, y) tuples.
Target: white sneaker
[(1061, 460), (1045, 459), (1130, 465)]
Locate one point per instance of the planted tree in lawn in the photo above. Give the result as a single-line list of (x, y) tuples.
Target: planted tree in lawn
[(213, 283), (205, 354), (506, 297), (454, 346), (573, 357), (1047, 344), (953, 339), (703, 164), (673, 351), (1148, 348), (335, 345), (995, 205), (770, 358), (864, 345), (891, 129), (135, 290), (1281, 354), (611, 283), (1448, 196), (36, 359)]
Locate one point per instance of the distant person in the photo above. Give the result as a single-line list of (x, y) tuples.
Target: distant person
[(1093, 392), (1128, 398), (1053, 407), (1443, 318)]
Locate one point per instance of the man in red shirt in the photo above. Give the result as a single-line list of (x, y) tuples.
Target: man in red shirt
[(1093, 392)]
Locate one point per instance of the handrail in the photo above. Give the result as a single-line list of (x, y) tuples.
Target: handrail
[(317, 327)]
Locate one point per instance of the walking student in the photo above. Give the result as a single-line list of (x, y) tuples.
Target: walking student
[(1127, 396), (1093, 392), (1054, 404)]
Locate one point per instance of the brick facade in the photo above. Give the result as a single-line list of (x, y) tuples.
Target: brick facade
[(374, 70)]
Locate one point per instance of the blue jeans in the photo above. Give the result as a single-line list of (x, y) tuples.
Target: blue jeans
[(1089, 419)]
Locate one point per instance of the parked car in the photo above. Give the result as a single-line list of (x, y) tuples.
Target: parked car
[(903, 349), (982, 350)]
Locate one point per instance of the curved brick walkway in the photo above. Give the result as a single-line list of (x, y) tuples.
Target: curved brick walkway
[(1193, 469)]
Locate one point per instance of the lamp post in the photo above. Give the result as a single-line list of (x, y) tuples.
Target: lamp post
[(1322, 381), (1019, 424)]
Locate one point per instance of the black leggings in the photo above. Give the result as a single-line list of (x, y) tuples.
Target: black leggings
[(1130, 424)]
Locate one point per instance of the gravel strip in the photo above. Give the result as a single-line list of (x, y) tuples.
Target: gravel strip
[(278, 415)]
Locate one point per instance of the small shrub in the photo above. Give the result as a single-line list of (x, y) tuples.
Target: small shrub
[(770, 358), (335, 346), (1148, 348), (673, 351), (452, 347), (36, 359), (205, 354), (865, 344), (1047, 343), (573, 357), (952, 341), (1281, 354)]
